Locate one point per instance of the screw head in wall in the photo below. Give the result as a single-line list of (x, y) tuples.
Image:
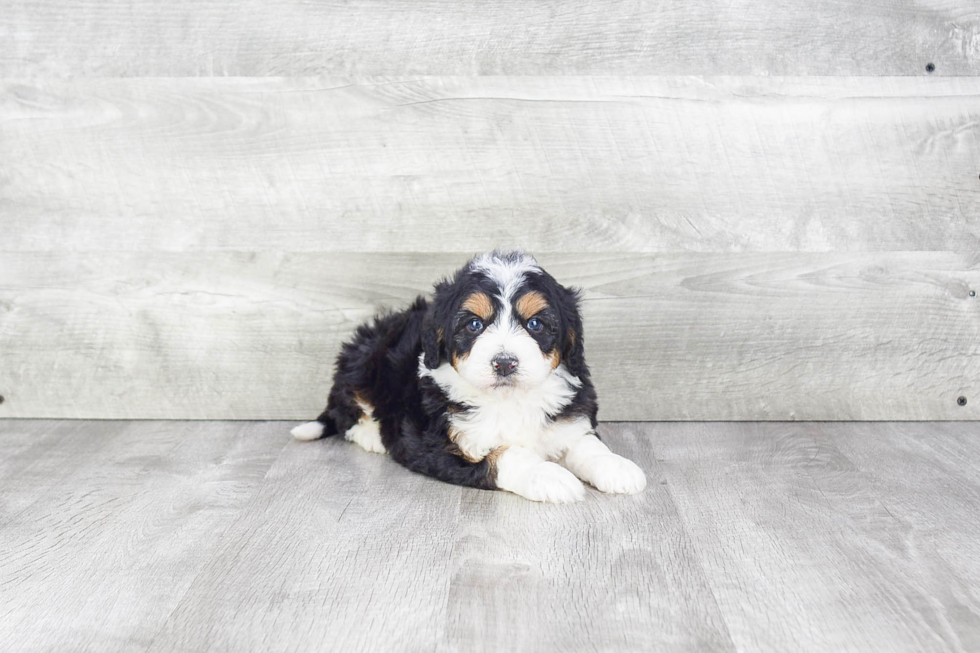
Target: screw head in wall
[(1, 399), (961, 401), (930, 67), (973, 293)]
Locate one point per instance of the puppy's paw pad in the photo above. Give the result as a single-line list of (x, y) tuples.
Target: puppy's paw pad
[(308, 431), (553, 484), (616, 475)]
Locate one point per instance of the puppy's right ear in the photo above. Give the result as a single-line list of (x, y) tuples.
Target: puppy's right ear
[(433, 334)]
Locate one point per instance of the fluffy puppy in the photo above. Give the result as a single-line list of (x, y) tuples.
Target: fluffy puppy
[(484, 386)]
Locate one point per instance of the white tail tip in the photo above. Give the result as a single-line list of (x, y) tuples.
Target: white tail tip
[(308, 431)]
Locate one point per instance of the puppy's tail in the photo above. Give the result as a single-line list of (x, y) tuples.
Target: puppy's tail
[(321, 428)]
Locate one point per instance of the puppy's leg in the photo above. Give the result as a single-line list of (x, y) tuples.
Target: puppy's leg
[(367, 435), (590, 460), (514, 469), (367, 432), (522, 471)]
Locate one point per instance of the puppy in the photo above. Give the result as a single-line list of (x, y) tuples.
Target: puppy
[(484, 386)]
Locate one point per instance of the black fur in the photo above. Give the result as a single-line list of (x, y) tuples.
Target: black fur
[(380, 366)]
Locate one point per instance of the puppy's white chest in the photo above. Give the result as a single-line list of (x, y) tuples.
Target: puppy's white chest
[(481, 430), (516, 417)]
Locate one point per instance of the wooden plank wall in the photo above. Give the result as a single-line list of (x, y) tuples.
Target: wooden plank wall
[(773, 208)]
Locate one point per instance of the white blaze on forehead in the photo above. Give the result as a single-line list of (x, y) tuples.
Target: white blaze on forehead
[(507, 271)]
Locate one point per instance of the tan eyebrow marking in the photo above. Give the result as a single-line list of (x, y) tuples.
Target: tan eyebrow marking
[(531, 304), (479, 304)]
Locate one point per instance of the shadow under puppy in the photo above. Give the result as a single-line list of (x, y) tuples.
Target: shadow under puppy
[(485, 386)]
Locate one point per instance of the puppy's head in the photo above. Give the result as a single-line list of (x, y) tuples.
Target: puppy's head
[(502, 321)]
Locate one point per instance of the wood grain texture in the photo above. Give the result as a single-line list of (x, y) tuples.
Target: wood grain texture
[(37, 456), (940, 526), (338, 552), (644, 164), (100, 559), (669, 337), (766, 537), (678, 37), (801, 546)]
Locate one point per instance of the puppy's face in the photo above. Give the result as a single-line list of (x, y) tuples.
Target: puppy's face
[(503, 322)]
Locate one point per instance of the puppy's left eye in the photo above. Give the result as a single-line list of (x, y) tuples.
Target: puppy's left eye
[(475, 325), (534, 324)]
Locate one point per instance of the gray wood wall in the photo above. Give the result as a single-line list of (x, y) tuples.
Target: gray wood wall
[(773, 207)]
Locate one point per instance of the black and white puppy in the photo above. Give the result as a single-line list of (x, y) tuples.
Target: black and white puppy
[(485, 386)]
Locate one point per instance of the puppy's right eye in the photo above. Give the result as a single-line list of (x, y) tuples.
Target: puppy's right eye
[(475, 325)]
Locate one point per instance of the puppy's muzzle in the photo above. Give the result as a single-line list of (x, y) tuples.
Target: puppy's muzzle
[(504, 364)]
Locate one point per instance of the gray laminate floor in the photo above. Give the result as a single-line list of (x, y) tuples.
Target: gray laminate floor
[(229, 536)]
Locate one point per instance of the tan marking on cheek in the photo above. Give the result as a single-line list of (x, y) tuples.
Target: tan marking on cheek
[(531, 304), (555, 358), (479, 304), (458, 359)]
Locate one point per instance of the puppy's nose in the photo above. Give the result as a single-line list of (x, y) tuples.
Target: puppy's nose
[(504, 364)]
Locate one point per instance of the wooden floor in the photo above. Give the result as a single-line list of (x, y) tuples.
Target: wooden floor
[(229, 536)]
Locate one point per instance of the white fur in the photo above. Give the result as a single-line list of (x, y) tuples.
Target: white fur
[(511, 415), (367, 431), (367, 434), (524, 472), (308, 431), (590, 460), (507, 274)]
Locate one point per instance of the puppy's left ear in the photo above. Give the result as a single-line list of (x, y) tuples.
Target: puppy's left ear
[(433, 335), (573, 349)]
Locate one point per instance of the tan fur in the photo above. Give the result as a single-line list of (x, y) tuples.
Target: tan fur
[(492, 462), (453, 434), (455, 449), (479, 304), (367, 410), (531, 304), (555, 358)]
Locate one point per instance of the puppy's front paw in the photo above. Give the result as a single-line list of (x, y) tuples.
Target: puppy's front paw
[(551, 483), (526, 473), (614, 474)]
